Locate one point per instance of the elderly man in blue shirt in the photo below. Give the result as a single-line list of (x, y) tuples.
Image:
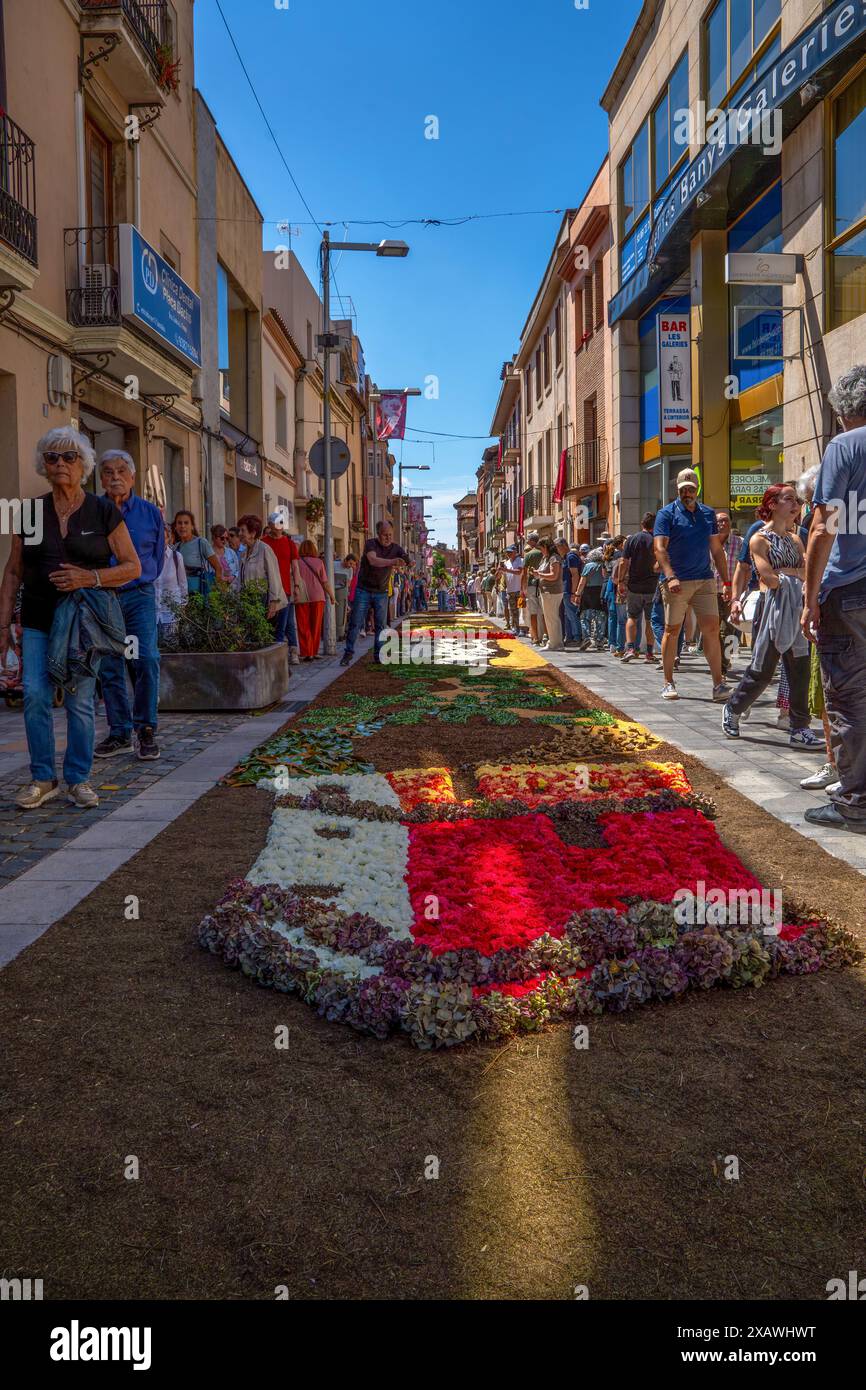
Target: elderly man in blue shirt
[(686, 540), (138, 601)]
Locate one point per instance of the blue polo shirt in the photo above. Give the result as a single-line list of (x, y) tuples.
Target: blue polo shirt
[(842, 480), (688, 538), (571, 568), (147, 529)]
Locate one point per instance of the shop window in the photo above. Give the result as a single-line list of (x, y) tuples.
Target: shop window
[(741, 39), (756, 310), (847, 232), (756, 462)]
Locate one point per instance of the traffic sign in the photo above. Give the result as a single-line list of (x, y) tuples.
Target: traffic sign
[(340, 458)]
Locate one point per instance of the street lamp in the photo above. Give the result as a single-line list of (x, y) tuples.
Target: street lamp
[(407, 468), (329, 341)]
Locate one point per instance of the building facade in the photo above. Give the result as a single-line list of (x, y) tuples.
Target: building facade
[(100, 318), (725, 365)]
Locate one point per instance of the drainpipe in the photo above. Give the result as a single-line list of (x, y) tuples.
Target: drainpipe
[(136, 180)]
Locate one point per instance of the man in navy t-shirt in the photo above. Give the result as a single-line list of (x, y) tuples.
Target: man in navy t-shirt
[(834, 600), (687, 544)]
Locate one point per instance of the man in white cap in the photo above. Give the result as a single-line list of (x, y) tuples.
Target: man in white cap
[(278, 538), (687, 545), (511, 568)]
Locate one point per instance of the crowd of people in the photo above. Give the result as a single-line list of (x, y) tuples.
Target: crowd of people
[(129, 572), (789, 593)]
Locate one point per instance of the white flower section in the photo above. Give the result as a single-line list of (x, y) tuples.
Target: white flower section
[(369, 867), (366, 786), (328, 959)]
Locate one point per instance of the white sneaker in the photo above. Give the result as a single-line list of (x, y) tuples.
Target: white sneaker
[(832, 788), (28, 798), (819, 780), (806, 738), (670, 692), (83, 795), (294, 656)]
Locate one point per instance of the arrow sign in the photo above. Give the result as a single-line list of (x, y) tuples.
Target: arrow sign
[(675, 378), (675, 429)]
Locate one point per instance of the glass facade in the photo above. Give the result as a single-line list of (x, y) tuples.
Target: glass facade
[(756, 462), (847, 229), (756, 310)]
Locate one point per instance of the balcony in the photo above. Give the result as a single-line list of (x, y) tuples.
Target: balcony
[(587, 465), (140, 38), (538, 506), (18, 260), (99, 306)]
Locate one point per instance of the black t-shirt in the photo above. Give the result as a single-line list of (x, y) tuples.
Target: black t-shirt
[(85, 544), (639, 551), (369, 577)]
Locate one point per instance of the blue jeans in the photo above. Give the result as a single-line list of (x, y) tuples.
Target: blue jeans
[(570, 616), (366, 599), (285, 626), (139, 613), (38, 722), (594, 623), (443, 602)]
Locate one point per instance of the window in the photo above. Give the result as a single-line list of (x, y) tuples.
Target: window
[(658, 148), (756, 310), (599, 294), (557, 335), (281, 414), (578, 320), (846, 234), (539, 385), (100, 204), (736, 33), (545, 356), (169, 252), (528, 389), (756, 461), (588, 311)]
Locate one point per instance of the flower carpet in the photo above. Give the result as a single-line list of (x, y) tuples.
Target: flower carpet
[(517, 893)]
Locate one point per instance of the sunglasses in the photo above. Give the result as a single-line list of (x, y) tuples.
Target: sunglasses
[(69, 456)]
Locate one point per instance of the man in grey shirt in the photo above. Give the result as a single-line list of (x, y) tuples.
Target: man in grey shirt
[(834, 600)]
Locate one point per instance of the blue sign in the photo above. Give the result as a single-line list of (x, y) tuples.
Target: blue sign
[(153, 295), (758, 333), (634, 250)]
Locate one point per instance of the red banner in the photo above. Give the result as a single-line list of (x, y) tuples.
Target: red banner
[(391, 416), (559, 490), (520, 504)]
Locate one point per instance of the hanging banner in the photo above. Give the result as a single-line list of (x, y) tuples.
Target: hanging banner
[(520, 513), (391, 416), (559, 490), (675, 379), (415, 511)]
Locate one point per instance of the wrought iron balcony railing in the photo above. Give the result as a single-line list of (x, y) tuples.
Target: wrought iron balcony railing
[(587, 464), (538, 501), (92, 276), (148, 19), (17, 190)]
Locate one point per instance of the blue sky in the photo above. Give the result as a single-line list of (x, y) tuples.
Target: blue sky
[(515, 86)]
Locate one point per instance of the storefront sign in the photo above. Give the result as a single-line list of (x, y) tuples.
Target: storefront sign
[(248, 468), (153, 295), (820, 44), (748, 484), (675, 379), (761, 268)]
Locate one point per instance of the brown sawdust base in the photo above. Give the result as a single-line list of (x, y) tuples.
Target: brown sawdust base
[(305, 1167)]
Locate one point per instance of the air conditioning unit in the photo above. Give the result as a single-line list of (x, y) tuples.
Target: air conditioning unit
[(59, 379), (98, 292)]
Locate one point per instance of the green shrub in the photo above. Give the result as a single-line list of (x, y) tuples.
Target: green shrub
[(227, 620)]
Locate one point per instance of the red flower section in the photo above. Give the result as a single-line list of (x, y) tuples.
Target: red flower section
[(535, 786), (498, 885), (518, 989), (417, 785)]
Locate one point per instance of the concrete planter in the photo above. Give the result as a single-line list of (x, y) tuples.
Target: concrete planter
[(223, 680)]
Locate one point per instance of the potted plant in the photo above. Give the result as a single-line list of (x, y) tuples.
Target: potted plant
[(315, 511), (220, 654)]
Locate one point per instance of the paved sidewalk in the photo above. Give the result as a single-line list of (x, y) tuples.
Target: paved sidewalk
[(52, 858), (761, 764)]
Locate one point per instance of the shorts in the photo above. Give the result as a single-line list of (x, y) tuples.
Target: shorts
[(700, 595), (533, 604), (640, 603)]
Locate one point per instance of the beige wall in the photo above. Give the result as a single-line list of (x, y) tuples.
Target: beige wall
[(42, 84)]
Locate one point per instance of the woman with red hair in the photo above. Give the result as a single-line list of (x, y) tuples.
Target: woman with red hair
[(780, 561)]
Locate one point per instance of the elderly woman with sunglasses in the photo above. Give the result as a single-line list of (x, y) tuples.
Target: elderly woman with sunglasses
[(83, 544)]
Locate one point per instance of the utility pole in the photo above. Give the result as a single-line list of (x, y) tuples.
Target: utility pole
[(330, 638)]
